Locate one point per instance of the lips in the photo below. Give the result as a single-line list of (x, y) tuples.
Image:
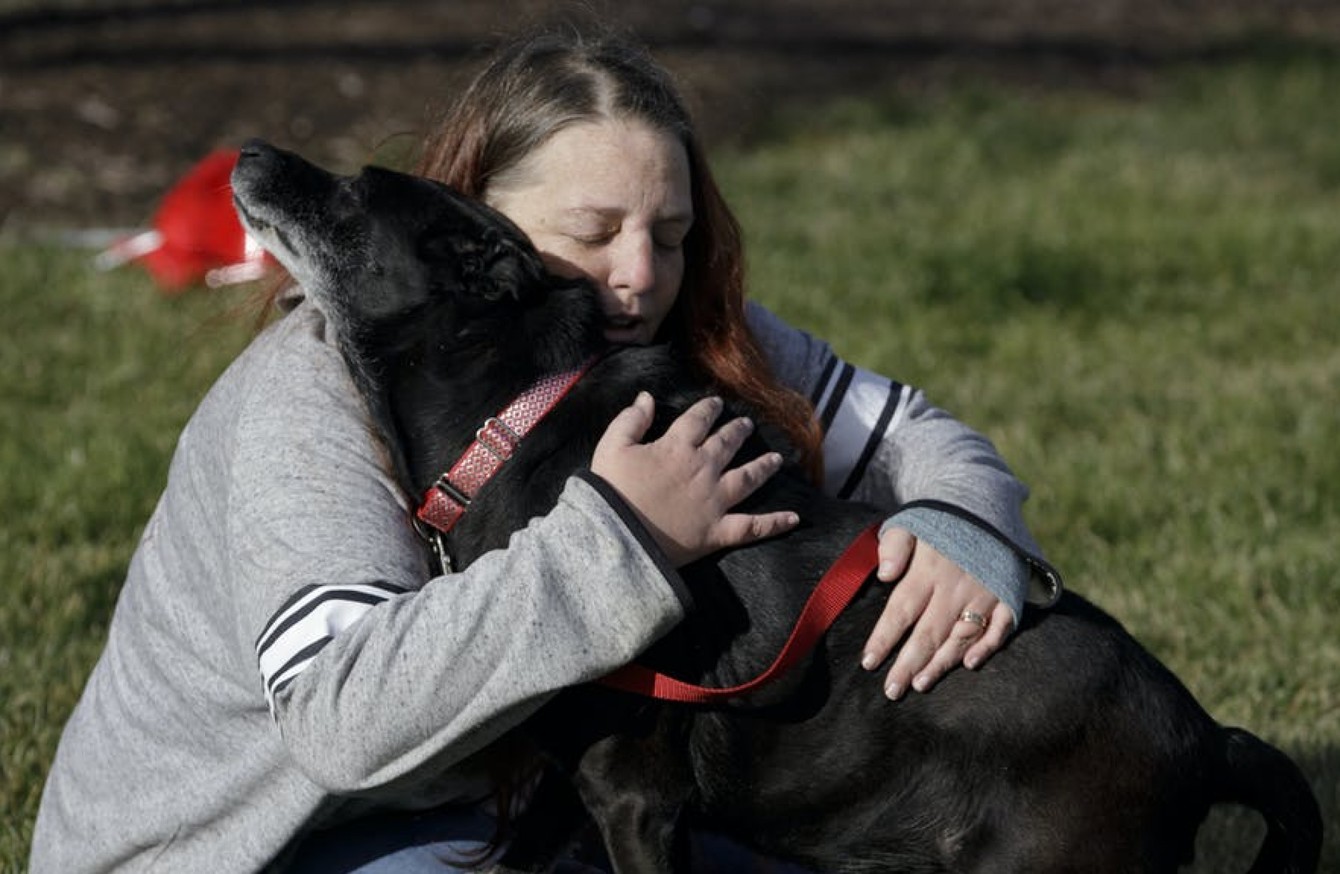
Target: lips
[(622, 320), (623, 327)]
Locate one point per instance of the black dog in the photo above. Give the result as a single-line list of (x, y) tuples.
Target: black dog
[(1072, 750)]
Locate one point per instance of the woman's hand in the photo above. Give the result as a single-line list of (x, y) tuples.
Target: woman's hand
[(946, 615), (679, 486)]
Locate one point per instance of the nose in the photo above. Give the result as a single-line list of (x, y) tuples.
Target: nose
[(255, 148), (633, 265), (255, 159)]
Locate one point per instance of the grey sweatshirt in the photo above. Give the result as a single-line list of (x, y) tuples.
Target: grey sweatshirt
[(280, 659)]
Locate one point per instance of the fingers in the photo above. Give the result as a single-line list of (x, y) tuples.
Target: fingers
[(738, 529), (1001, 624), (918, 649), (741, 482), (942, 616), (695, 423), (895, 551), (915, 666), (907, 601), (630, 425), (695, 427), (966, 631), (679, 486), (943, 639), (727, 440)]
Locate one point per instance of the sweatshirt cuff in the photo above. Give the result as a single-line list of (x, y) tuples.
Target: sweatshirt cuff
[(641, 535), (994, 563)]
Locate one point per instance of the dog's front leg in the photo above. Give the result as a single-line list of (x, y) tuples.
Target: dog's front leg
[(636, 788)]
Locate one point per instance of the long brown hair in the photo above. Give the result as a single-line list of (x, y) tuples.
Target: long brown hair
[(543, 82)]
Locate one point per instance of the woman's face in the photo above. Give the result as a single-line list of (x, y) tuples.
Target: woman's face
[(611, 201)]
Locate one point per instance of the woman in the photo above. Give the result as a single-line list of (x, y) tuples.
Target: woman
[(281, 549), (585, 144)]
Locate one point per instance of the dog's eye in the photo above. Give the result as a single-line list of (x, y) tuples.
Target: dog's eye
[(435, 247)]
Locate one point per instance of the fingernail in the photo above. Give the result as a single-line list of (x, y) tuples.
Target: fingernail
[(922, 683), (885, 571), (869, 662), (971, 662), (893, 691)]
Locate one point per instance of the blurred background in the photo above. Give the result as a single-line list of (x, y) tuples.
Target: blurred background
[(104, 104), (1106, 233)]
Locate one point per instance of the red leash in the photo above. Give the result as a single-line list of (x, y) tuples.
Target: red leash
[(830, 597)]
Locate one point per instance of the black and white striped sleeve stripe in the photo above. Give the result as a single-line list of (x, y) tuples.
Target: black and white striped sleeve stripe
[(306, 623), (856, 410)]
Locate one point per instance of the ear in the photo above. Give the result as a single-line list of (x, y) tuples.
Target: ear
[(489, 258), (510, 268), (460, 258)]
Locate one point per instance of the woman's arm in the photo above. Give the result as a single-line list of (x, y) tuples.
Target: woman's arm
[(375, 691), (955, 539), (381, 679)]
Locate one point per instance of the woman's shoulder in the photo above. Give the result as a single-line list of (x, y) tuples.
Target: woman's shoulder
[(797, 357), (288, 387), (291, 363), (298, 340), (285, 420)]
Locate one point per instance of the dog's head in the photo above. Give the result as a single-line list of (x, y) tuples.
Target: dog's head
[(375, 248), (424, 289)]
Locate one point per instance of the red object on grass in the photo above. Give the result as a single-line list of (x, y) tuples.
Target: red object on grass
[(196, 236)]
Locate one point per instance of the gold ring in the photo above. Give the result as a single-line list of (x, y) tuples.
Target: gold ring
[(975, 618)]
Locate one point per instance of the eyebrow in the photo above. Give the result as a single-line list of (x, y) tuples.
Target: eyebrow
[(606, 213)]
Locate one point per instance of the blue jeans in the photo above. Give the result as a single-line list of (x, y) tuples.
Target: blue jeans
[(445, 841), (433, 842)]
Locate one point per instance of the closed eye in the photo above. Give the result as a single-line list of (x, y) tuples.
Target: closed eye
[(669, 244), (670, 235), (591, 241)]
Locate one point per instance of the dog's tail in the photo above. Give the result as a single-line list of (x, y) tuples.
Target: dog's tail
[(1259, 776)]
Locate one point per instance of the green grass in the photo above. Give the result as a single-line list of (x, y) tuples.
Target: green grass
[(98, 374), (1137, 299)]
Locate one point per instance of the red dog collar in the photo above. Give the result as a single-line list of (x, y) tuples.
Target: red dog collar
[(444, 502)]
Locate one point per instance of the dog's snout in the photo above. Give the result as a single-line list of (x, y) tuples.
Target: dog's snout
[(256, 149), (257, 160), (260, 163)]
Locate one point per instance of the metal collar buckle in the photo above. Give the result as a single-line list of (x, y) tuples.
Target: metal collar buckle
[(444, 486), (437, 542), (498, 438)]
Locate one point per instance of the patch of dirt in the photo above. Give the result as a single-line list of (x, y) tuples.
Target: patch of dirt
[(103, 105)]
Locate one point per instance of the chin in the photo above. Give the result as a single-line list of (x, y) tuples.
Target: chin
[(627, 336)]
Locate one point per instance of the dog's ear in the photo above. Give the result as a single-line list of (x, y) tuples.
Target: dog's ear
[(510, 268), (491, 265)]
